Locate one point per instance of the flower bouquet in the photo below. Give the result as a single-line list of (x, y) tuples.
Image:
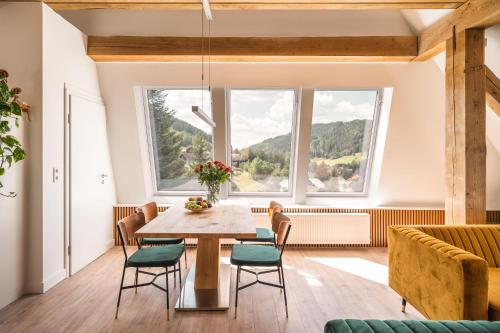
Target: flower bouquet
[(213, 175)]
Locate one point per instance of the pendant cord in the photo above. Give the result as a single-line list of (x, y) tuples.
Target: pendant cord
[(202, 55), (209, 58)]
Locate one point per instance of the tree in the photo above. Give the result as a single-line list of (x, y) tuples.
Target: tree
[(200, 150), (168, 141)]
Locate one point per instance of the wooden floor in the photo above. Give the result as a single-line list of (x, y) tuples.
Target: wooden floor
[(322, 284)]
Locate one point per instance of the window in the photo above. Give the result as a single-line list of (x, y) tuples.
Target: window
[(261, 132), (178, 137), (342, 130)]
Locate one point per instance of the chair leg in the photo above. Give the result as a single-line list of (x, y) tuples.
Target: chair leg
[(238, 272), (166, 284), (279, 279), (403, 305), (136, 278), (185, 255), (120, 293), (284, 289), (175, 277), (180, 275)]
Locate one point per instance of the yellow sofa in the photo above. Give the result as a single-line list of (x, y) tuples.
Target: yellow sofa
[(447, 272)]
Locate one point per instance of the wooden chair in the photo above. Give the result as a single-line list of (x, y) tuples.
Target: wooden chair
[(255, 255), (150, 211), (265, 235), (159, 256)]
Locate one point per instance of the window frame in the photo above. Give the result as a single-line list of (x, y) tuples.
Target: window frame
[(149, 138), (293, 144), (371, 149)]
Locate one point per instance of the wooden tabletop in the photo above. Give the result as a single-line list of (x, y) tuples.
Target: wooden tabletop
[(229, 219)]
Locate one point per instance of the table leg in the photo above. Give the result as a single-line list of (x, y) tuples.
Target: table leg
[(207, 286), (207, 264)]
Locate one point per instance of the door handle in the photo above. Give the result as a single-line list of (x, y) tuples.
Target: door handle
[(102, 177)]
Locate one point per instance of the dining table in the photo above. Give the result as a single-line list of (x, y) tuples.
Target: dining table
[(208, 282)]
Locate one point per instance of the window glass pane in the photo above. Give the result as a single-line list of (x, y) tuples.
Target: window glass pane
[(179, 138), (261, 140), (341, 132)]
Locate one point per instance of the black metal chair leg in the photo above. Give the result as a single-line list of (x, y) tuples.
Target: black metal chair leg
[(185, 255), (279, 278), (120, 293), (166, 284), (136, 278), (175, 276), (237, 286), (180, 275), (284, 289)]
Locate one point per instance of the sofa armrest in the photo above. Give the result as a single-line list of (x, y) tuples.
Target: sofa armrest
[(440, 280)]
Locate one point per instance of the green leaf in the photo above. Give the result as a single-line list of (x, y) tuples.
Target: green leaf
[(2, 172), (15, 109), (19, 154), (10, 141)]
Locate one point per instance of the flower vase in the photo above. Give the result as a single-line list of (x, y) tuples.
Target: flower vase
[(213, 192)]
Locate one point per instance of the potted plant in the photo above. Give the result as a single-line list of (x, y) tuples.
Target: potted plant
[(213, 175), (11, 109)]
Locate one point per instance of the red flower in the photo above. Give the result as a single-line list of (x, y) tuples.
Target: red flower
[(228, 170), (209, 165)]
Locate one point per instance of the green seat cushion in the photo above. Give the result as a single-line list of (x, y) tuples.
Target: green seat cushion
[(159, 256), (161, 241), (263, 235), (410, 326), (254, 255)]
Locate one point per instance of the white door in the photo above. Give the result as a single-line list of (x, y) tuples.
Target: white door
[(91, 186)]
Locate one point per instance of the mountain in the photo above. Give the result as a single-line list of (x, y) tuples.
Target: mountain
[(188, 131), (331, 140)]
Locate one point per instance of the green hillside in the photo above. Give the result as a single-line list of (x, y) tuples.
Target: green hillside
[(331, 140), (188, 131)]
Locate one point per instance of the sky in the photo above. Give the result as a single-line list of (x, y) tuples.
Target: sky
[(182, 100), (257, 115)]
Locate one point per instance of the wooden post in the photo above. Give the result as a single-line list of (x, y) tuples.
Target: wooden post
[(465, 129)]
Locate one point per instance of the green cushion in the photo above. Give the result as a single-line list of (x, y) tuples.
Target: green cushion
[(161, 241), (159, 256), (263, 235), (410, 326), (254, 255)]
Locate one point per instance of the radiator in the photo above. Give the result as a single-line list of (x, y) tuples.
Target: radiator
[(304, 230), (325, 229)]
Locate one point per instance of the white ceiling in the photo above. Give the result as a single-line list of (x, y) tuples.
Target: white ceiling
[(254, 23)]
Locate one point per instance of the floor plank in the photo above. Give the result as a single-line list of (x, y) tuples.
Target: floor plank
[(322, 284)]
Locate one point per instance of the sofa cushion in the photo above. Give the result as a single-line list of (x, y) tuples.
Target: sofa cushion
[(409, 326), (494, 294), (481, 240)]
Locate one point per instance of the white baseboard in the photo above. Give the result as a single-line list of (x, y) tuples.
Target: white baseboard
[(54, 279)]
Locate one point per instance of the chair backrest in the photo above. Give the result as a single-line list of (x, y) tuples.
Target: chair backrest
[(150, 211), (282, 225), (127, 228), (274, 207)]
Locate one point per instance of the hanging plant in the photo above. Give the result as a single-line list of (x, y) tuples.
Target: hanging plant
[(11, 110)]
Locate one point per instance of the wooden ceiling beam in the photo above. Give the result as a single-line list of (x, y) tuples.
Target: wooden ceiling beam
[(493, 91), (253, 49), (254, 4), (472, 14)]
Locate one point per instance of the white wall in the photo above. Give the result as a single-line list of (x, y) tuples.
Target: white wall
[(20, 267), (413, 163), (64, 62)]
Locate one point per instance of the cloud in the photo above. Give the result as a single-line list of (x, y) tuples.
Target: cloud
[(182, 100), (257, 115)]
